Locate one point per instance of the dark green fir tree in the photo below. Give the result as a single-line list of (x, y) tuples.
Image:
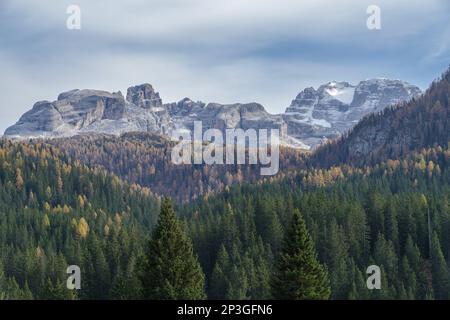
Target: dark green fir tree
[(171, 270), (298, 274)]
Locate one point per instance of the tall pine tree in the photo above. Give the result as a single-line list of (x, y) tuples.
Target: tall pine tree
[(439, 270), (298, 274), (171, 270)]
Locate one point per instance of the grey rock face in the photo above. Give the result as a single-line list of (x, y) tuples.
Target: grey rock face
[(313, 116), (376, 94), (317, 115), (224, 116), (83, 107), (73, 111), (43, 117), (144, 96)]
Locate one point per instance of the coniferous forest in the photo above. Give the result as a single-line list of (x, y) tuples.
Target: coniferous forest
[(324, 219)]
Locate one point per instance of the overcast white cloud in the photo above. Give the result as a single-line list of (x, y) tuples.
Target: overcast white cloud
[(223, 51)]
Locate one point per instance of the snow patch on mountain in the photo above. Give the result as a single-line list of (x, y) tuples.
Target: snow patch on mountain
[(313, 117)]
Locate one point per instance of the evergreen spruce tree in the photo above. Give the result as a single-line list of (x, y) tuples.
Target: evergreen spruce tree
[(2, 282), (268, 224), (126, 284), (26, 293), (439, 270), (57, 291), (218, 281), (298, 274), (238, 285), (171, 270), (336, 254)]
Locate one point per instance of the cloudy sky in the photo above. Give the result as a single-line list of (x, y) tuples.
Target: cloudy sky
[(214, 50)]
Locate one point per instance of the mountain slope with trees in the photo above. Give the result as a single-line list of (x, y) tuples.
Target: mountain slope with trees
[(55, 213), (389, 206), (379, 195), (394, 132), (145, 159), (356, 218)]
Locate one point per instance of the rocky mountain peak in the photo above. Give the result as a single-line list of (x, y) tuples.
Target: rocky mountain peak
[(313, 116), (77, 94), (306, 93), (375, 94), (71, 112), (317, 115), (253, 107), (144, 96)]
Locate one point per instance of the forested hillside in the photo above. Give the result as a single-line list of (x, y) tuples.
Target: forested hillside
[(55, 213), (145, 158), (379, 196), (357, 217)]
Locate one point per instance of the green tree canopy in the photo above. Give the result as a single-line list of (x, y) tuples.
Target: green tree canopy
[(172, 270), (298, 274)]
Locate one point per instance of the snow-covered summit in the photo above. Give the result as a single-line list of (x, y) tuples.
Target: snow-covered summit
[(317, 115)]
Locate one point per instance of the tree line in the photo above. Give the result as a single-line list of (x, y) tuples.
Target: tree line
[(324, 226)]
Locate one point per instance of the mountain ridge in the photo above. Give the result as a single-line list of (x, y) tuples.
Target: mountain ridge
[(395, 131), (313, 117)]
